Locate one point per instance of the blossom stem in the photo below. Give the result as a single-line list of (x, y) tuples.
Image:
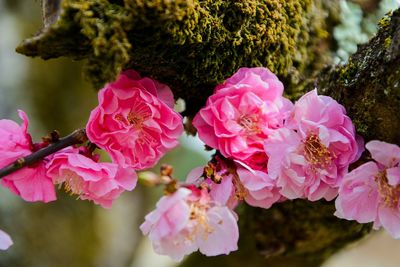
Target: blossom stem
[(76, 137)]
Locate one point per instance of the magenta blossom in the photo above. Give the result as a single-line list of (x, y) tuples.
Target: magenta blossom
[(82, 175), (135, 121), (241, 114), (371, 192), (30, 183), (188, 220), (310, 156), (5, 240)]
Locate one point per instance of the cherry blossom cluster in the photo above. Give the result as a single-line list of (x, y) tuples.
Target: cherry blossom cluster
[(134, 122), (267, 150)]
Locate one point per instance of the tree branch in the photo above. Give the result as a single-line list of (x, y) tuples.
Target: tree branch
[(77, 137)]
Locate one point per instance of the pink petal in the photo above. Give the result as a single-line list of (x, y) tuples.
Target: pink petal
[(5, 240), (224, 234), (384, 153)]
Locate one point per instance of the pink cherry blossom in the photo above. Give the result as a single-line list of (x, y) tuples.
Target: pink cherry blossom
[(222, 192), (371, 192), (5, 240), (310, 156), (135, 121), (241, 114), (82, 175), (30, 183), (260, 190), (237, 183), (188, 220)]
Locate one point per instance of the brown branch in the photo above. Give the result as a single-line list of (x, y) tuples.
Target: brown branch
[(77, 137)]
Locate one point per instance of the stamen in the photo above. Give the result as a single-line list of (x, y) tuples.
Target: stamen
[(240, 191), (72, 183), (250, 123), (198, 213), (135, 120), (389, 195), (136, 117), (316, 153), (120, 118)]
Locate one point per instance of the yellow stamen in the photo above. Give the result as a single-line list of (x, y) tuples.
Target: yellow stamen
[(389, 194), (316, 153), (250, 123)]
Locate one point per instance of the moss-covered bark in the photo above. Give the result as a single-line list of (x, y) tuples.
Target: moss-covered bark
[(369, 85), (190, 45)]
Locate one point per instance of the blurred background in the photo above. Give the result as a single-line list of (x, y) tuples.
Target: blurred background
[(78, 233)]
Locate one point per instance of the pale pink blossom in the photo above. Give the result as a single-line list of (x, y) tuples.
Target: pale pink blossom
[(371, 192), (5, 240), (135, 121), (187, 221), (309, 157), (260, 189), (222, 192), (30, 183), (82, 175), (238, 183), (241, 114)]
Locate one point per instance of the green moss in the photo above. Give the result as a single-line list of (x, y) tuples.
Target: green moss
[(348, 72), (388, 42), (190, 45), (384, 22), (368, 86)]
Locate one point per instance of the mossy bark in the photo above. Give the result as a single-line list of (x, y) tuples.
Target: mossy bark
[(189, 44), (192, 45), (369, 84)]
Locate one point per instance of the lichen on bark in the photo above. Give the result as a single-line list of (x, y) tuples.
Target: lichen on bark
[(369, 84), (189, 44)]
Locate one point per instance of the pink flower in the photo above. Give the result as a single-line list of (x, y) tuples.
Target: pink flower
[(371, 192), (238, 183), (82, 175), (135, 121), (310, 157), (223, 192), (241, 114), (30, 183), (188, 220), (261, 190), (5, 240)]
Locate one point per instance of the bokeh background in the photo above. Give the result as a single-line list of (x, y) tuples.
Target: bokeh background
[(76, 233)]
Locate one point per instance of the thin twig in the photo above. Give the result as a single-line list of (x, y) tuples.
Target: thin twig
[(77, 137)]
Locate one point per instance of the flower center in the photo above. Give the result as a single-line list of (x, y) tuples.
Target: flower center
[(316, 153), (135, 120), (249, 122), (240, 191), (198, 212), (73, 184), (389, 194), (136, 117)]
